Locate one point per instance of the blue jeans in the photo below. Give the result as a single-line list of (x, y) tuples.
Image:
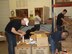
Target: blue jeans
[(53, 46), (11, 39)]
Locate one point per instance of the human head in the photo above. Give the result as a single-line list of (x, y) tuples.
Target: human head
[(64, 11), (24, 21), (64, 34)]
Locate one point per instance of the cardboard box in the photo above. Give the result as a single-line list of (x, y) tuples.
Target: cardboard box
[(23, 49), (42, 41), (41, 38), (40, 50)]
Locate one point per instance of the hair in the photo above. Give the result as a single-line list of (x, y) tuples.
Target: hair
[(65, 31), (65, 10)]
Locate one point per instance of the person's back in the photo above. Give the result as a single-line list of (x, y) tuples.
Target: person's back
[(37, 19), (56, 36), (55, 40), (12, 29), (16, 23), (59, 21)]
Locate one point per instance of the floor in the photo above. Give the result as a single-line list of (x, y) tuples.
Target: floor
[(3, 47), (67, 44)]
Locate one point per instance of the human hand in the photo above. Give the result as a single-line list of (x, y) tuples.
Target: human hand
[(56, 51), (21, 32), (21, 35)]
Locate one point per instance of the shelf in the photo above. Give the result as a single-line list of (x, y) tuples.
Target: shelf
[(63, 4), (11, 18)]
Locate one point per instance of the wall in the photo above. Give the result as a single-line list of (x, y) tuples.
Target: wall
[(38, 3), (4, 14), (30, 4), (70, 0), (12, 6), (59, 9)]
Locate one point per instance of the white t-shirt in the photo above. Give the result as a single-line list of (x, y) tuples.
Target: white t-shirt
[(37, 19)]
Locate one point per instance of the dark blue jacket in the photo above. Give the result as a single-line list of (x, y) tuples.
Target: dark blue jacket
[(56, 36)]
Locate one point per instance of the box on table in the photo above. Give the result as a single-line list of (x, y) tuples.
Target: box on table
[(23, 49), (40, 50), (41, 38)]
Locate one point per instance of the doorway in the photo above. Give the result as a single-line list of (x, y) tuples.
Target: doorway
[(21, 13)]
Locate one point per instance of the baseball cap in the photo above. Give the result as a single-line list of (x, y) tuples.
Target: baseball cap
[(26, 21)]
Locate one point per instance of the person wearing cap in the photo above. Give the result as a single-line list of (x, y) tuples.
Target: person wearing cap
[(13, 28)]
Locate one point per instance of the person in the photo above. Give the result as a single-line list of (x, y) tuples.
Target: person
[(27, 20), (60, 20), (28, 33), (13, 28), (55, 39), (37, 22)]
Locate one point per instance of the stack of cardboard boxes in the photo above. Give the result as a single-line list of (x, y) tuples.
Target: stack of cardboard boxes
[(23, 48), (41, 46)]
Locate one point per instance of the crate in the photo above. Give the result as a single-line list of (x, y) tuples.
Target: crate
[(23, 49), (40, 50)]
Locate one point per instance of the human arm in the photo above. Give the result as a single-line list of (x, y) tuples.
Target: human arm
[(22, 32), (65, 21), (13, 30), (58, 47)]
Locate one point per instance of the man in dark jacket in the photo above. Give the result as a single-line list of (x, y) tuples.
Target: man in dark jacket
[(55, 40)]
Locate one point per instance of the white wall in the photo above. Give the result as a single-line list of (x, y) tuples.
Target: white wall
[(30, 4), (38, 3), (59, 9), (4, 14), (70, 0)]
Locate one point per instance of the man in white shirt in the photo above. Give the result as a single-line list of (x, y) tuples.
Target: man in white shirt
[(37, 22)]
